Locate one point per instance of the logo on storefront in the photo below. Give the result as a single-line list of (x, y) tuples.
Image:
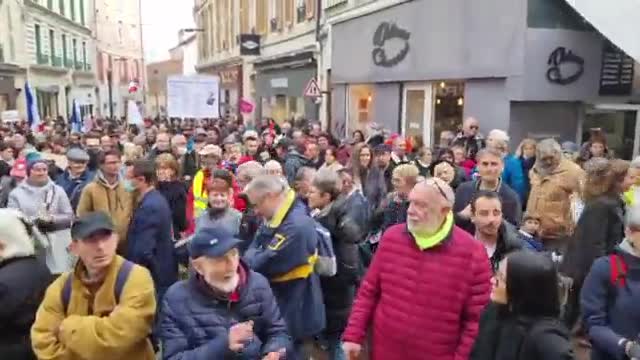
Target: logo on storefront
[(388, 33), (565, 67)]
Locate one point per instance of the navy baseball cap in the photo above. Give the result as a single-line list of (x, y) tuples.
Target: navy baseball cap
[(212, 242), (91, 223)]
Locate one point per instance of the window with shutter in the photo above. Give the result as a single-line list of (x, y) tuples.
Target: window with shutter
[(262, 14), (310, 6), (278, 15), (288, 12), (244, 17)]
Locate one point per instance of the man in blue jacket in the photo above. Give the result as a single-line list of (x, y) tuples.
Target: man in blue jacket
[(76, 176), (285, 251), (150, 235), (214, 314)]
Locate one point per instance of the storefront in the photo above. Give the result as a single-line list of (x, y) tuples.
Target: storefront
[(280, 84), (10, 88), (230, 89), (423, 66)]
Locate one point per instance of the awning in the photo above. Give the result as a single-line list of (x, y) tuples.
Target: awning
[(616, 20)]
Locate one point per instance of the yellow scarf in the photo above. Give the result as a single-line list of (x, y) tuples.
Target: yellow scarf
[(428, 241)]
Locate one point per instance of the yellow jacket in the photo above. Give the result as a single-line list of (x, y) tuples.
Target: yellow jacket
[(109, 332)]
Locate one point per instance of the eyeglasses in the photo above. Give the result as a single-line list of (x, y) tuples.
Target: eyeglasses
[(435, 183)]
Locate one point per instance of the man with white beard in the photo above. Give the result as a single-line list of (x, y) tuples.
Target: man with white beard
[(224, 309)]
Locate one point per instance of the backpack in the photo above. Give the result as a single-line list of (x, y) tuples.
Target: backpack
[(121, 280), (617, 271), (326, 265)]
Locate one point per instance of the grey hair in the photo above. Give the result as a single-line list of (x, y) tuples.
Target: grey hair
[(500, 135), (441, 186), (328, 181), (548, 146), (632, 218), (304, 173), (251, 169), (267, 184), (635, 163), (272, 165)]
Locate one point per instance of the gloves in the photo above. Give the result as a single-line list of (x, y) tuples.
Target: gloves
[(45, 225)]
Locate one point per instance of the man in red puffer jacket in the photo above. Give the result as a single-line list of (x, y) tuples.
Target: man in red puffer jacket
[(425, 289)]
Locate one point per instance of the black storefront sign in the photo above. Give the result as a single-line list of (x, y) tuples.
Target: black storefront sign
[(249, 44), (616, 74)]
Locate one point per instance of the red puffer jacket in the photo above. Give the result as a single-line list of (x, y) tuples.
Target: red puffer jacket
[(422, 304)]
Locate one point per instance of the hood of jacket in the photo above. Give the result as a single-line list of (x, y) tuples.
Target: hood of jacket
[(100, 179), (508, 235), (34, 190)]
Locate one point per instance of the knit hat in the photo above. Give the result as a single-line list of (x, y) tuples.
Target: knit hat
[(34, 158), (19, 169)]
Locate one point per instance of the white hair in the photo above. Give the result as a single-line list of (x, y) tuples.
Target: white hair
[(272, 165), (251, 169), (499, 135), (267, 184), (442, 188)]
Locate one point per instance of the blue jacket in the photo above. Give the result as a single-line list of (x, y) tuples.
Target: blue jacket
[(611, 313), (284, 244), (73, 187), (512, 175), (194, 323), (150, 241)]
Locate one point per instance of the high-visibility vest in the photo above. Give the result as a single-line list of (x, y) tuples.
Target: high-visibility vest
[(200, 195)]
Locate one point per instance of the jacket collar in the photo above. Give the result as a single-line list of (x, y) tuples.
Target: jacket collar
[(283, 210)]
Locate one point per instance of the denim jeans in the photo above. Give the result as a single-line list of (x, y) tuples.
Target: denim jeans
[(331, 344)]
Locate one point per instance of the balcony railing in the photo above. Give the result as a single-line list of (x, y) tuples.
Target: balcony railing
[(42, 59), (68, 63), (56, 61), (79, 65), (87, 67)]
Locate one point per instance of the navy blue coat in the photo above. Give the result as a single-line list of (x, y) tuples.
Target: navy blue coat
[(150, 241), (281, 245), (73, 187), (611, 313), (195, 325)]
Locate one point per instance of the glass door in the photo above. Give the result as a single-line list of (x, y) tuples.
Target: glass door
[(416, 111), (619, 123)]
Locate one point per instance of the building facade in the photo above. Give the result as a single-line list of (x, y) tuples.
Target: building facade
[(118, 33), (535, 68), (50, 42), (273, 78)]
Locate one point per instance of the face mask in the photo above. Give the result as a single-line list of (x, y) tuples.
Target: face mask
[(128, 186)]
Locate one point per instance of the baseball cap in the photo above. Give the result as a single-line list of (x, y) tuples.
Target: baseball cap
[(381, 149), (212, 242), (91, 223)]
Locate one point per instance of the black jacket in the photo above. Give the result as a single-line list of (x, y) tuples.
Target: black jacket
[(599, 230), (508, 242), (502, 336), (176, 194), (339, 290), (23, 281)]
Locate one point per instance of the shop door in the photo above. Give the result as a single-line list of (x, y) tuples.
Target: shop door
[(620, 122), (416, 111)]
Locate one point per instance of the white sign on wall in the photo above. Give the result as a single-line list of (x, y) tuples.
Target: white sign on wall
[(193, 96)]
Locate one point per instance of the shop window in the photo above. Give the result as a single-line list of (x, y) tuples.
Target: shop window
[(619, 126), (293, 105), (553, 14), (449, 106), (360, 110)]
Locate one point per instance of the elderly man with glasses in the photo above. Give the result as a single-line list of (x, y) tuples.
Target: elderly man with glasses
[(428, 277)]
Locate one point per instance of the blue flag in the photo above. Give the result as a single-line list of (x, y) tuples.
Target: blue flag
[(33, 117)]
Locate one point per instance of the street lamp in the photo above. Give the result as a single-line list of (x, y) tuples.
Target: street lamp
[(110, 85)]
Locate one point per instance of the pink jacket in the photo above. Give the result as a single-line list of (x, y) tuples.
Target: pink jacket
[(421, 304)]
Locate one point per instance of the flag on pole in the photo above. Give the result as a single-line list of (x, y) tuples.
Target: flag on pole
[(33, 117), (76, 118)]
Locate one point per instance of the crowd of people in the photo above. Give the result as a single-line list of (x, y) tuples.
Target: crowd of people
[(186, 239)]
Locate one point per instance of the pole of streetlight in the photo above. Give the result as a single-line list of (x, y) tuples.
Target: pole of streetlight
[(110, 89)]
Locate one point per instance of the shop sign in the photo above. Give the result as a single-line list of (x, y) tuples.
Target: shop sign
[(565, 67), (387, 32), (279, 83), (616, 74), (249, 44), (229, 77)]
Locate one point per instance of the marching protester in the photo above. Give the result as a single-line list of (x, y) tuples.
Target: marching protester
[(102, 309), (448, 322), (23, 281), (76, 176), (220, 214), (47, 205), (107, 193), (227, 292), (285, 251), (173, 189), (150, 234)]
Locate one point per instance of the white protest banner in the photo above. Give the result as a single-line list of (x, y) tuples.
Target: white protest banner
[(193, 96), (133, 114), (10, 116)]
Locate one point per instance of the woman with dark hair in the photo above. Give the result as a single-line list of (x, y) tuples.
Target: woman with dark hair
[(358, 137), (173, 190), (368, 177), (600, 226), (447, 155), (521, 322)]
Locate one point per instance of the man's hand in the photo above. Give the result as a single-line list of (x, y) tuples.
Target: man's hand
[(466, 212), (275, 355), (351, 350), (239, 334)]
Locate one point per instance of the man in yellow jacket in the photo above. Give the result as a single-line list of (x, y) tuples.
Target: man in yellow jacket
[(103, 309)]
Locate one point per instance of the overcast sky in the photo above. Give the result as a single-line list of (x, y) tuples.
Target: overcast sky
[(161, 21)]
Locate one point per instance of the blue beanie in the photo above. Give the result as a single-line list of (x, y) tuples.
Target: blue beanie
[(32, 159)]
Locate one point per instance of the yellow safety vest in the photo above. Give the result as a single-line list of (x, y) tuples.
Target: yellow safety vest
[(200, 195)]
